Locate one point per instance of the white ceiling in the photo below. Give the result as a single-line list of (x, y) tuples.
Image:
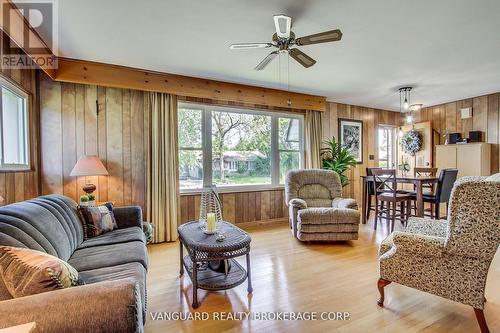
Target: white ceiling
[(446, 49)]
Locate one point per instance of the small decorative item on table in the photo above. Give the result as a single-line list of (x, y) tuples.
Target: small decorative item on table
[(84, 200), (211, 224), (91, 201)]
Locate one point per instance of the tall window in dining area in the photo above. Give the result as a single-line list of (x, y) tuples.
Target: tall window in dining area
[(231, 147), (14, 138), (386, 147)]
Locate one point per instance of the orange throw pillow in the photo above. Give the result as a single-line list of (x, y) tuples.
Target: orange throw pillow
[(28, 272)]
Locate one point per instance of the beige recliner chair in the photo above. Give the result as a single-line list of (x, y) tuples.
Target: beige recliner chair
[(316, 208)]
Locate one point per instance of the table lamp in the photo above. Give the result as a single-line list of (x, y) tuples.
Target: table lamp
[(89, 166)]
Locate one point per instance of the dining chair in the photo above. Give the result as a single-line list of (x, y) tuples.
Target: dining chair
[(425, 172), (386, 192), (371, 191), (426, 188), (442, 193)]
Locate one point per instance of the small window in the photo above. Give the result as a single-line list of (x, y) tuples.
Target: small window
[(14, 128), (386, 147)]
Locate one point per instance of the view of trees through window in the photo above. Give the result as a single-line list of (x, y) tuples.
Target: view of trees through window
[(386, 147), (237, 145), (242, 141)]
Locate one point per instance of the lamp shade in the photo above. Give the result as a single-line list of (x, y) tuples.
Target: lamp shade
[(89, 166)]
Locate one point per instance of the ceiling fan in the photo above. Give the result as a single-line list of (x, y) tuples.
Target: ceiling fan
[(284, 40)]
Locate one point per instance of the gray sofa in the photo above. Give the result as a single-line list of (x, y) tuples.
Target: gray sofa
[(113, 267)]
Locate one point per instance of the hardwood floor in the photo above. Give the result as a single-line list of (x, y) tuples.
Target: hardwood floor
[(291, 276)]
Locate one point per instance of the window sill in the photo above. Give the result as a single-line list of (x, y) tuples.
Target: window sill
[(11, 170), (236, 189)]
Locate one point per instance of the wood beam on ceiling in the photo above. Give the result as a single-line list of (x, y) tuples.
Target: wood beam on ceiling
[(86, 72), (19, 31)]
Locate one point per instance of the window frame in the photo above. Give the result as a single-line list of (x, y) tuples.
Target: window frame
[(14, 88), (206, 143), (394, 149)]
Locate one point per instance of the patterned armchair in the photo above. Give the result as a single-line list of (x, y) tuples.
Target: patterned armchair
[(317, 211), (448, 258)]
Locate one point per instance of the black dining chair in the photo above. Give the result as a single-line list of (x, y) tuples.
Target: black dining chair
[(442, 192)]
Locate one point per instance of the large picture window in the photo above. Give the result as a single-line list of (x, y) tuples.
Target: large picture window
[(14, 138), (230, 147)]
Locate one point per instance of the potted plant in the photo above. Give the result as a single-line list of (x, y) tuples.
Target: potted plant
[(91, 199), (336, 158), (84, 200)]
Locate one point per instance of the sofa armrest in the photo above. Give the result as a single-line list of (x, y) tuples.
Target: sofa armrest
[(425, 226), (126, 217), (344, 203), (297, 203), (111, 306), (418, 244)]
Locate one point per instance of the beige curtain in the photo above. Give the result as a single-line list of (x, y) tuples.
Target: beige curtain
[(162, 180), (313, 139)]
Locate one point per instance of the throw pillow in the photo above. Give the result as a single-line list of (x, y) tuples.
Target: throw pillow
[(97, 220), (27, 272)]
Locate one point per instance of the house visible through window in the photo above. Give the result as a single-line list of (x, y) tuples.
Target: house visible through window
[(235, 147), (386, 147), (14, 128)]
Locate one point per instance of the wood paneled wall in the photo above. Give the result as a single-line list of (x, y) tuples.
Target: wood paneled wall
[(485, 118), (78, 119), (18, 186), (73, 124), (371, 118), (241, 207)]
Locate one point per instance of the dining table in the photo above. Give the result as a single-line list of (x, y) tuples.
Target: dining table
[(418, 181)]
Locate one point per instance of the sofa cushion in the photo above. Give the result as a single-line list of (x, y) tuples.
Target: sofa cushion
[(97, 220), (134, 270), (27, 272), (49, 224), (109, 255), (323, 215), (115, 237)]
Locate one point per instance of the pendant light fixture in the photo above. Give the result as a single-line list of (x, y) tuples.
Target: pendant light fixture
[(405, 103)]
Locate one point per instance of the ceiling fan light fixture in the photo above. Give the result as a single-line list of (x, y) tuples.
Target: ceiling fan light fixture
[(283, 26)]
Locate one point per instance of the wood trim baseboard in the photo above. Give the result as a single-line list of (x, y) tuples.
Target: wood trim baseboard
[(262, 223)]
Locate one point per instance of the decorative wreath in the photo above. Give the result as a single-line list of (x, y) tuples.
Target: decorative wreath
[(411, 142)]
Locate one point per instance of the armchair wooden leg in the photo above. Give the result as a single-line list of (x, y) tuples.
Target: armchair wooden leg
[(381, 284), (481, 321)]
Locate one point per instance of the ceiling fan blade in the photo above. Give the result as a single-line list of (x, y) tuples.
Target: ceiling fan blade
[(283, 25), (240, 46), (302, 58), (266, 61), (322, 37)]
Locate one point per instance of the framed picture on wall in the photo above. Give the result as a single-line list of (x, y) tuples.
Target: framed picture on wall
[(351, 137)]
